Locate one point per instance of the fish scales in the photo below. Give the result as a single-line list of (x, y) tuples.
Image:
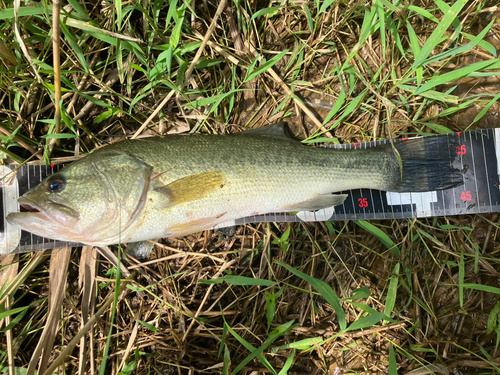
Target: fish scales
[(259, 175), (171, 186)]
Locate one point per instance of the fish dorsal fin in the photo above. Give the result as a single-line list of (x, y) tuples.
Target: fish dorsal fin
[(317, 203), (192, 187), (279, 130)]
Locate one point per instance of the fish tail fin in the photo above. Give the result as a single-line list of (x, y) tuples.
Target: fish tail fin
[(427, 164)]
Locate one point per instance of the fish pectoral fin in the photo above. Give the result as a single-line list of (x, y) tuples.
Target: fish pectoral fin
[(317, 203), (192, 187)]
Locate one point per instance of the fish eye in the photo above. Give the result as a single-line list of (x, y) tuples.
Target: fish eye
[(55, 185)]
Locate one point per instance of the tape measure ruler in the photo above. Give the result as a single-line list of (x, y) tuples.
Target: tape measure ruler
[(478, 155)]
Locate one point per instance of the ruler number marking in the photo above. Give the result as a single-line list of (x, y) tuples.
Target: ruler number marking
[(461, 150), (466, 196), (363, 202)]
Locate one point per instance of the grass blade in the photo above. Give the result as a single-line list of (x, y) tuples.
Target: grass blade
[(324, 290), (482, 288), (288, 364), (251, 74), (393, 365), (380, 234), (367, 321), (438, 33), (239, 280), (392, 292), (271, 11), (457, 74)]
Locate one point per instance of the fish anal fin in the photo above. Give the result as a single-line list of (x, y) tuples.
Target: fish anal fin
[(192, 187), (317, 203)]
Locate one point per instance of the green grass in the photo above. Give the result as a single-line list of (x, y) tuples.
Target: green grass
[(357, 297)]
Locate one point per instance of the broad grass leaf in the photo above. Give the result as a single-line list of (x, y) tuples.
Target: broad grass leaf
[(227, 361), (457, 74), (415, 46), (464, 48), (363, 307), (206, 63), (486, 108), (223, 338), (336, 107), (24, 11), (488, 47), (423, 12), (271, 11), (351, 107), (393, 29), (59, 136), (78, 10), (393, 365), (239, 280), (324, 290), (429, 236), (438, 33), (483, 288), (457, 108), (493, 319), (440, 129), (433, 95), (451, 227), (392, 292), (360, 293), (149, 326), (310, 22), (288, 364), (382, 23), (172, 12), (300, 345), (75, 47), (271, 305), (366, 321), (7, 313), (326, 4), (366, 30), (249, 281), (257, 352), (251, 74), (119, 13), (380, 234)]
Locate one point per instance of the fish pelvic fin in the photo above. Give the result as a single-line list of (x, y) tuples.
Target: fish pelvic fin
[(195, 225), (192, 187), (426, 164), (317, 203)]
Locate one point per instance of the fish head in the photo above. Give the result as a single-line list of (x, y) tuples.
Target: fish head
[(93, 201)]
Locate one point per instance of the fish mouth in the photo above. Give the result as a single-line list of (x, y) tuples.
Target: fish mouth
[(28, 210), (50, 215), (25, 207)]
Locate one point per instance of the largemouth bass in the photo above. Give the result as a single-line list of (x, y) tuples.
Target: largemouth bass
[(175, 185)]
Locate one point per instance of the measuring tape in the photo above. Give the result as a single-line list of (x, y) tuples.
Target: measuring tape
[(479, 153)]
